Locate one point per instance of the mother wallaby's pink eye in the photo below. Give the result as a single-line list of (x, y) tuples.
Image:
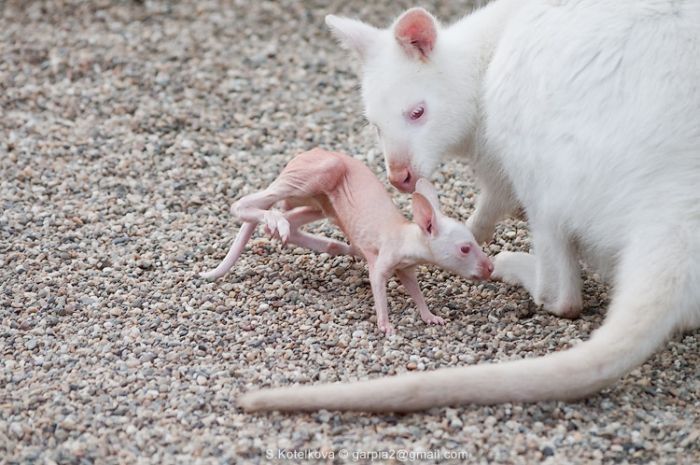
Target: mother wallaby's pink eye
[(465, 249), (417, 113)]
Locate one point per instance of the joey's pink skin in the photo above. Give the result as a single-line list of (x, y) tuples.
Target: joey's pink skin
[(320, 184)]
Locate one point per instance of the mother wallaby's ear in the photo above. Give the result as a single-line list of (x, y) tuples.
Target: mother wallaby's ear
[(416, 32), (353, 34)]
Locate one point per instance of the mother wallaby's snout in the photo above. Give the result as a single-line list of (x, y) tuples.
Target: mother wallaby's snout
[(403, 179), (401, 174)]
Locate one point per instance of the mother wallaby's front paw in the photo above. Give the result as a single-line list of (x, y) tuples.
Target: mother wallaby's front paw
[(565, 307), (517, 268)]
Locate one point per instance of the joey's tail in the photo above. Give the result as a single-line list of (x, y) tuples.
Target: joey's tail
[(233, 254), (644, 312)]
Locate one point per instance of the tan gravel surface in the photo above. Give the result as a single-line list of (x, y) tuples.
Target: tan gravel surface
[(126, 131)]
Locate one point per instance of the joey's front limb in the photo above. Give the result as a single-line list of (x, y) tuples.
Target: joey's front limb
[(552, 276), (378, 276), (407, 276)]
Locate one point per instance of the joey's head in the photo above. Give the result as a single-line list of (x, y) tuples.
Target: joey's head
[(452, 245), (417, 92)]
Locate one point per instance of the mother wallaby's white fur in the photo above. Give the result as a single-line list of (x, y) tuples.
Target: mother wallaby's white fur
[(586, 113)]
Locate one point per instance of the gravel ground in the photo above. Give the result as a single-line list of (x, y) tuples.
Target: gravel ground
[(127, 129)]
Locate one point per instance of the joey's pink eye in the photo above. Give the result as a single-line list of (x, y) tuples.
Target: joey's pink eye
[(465, 249), (416, 113)]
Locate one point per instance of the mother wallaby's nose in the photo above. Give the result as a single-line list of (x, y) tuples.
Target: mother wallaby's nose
[(403, 179)]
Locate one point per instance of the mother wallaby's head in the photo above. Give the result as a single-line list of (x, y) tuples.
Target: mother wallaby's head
[(416, 89)]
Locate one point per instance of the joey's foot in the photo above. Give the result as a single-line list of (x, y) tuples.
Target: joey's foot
[(339, 249), (386, 327), (354, 251), (277, 225), (432, 319)]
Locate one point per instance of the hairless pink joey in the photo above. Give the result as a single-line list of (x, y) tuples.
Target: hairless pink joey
[(319, 184)]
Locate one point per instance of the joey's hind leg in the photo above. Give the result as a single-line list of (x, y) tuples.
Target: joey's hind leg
[(407, 276), (303, 215), (319, 244), (257, 208), (552, 276)]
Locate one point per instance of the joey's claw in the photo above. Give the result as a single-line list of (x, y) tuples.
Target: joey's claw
[(433, 319), (387, 328), (283, 232), (276, 225)]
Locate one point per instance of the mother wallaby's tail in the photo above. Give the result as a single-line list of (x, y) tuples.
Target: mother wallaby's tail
[(652, 288), (233, 253)]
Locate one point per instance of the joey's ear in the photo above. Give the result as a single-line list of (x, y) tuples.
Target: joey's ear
[(353, 34), (416, 32), (424, 215), (427, 190)]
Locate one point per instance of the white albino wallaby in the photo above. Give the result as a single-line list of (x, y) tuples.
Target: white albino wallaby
[(587, 114)]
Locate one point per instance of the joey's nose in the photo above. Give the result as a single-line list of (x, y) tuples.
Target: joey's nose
[(403, 179)]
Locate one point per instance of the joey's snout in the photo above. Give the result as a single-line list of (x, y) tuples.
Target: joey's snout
[(484, 268)]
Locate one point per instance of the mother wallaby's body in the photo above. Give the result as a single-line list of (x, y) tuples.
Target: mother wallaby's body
[(587, 114)]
